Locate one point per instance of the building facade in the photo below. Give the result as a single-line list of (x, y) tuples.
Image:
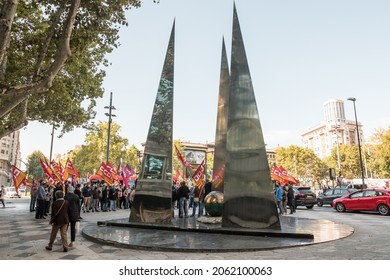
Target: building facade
[(9, 155), (334, 131)]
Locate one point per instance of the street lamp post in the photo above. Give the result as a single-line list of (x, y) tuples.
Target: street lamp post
[(336, 127), (358, 138), (110, 115), (52, 140)]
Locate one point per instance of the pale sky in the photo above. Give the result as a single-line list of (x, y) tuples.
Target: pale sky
[(301, 54)]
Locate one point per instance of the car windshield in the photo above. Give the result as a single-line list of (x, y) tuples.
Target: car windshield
[(304, 190)]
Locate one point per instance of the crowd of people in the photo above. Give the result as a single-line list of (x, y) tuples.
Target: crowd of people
[(285, 197), (93, 197), (185, 198), (64, 204)]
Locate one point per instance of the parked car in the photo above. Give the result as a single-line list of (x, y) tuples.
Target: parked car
[(365, 200), (22, 191), (357, 186), (10, 192), (304, 196), (327, 196)]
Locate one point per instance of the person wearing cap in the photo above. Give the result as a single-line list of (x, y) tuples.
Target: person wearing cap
[(74, 213)]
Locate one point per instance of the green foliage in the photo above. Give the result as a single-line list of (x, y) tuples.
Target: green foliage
[(302, 163), (72, 97), (379, 154), (34, 168), (349, 161), (209, 165), (92, 153)]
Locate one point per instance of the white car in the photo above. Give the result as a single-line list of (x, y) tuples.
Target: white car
[(10, 192)]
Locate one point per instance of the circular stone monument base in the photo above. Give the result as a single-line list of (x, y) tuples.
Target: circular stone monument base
[(189, 235)]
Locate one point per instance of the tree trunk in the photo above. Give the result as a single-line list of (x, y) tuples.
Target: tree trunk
[(20, 94), (7, 14)]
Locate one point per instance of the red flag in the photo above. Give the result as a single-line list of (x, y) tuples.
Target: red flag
[(129, 169), (122, 171), (113, 172), (62, 171), (181, 159), (198, 176), (217, 179), (105, 173), (18, 177), (69, 167), (48, 173), (276, 175), (287, 176), (56, 170)]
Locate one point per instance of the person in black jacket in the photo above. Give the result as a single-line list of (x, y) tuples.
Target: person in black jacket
[(290, 199), (74, 212), (183, 194)]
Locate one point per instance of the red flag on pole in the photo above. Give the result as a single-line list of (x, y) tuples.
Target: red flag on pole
[(18, 176), (113, 172), (122, 171), (69, 167), (56, 170), (287, 176), (181, 159), (217, 178), (105, 173), (198, 176), (276, 175), (48, 173), (62, 171)]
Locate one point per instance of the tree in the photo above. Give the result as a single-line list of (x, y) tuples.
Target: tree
[(210, 165), (301, 163), (379, 154), (51, 59), (34, 168), (92, 153)]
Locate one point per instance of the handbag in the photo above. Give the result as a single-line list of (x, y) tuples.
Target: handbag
[(77, 226)]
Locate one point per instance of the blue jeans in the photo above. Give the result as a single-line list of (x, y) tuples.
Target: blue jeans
[(183, 207), (194, 206), (105, 206), (32, 203), (200, 206), (280, 206), (112, 205)]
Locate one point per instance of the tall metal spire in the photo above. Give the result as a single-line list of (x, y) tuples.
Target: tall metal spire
[(222, 119), (248, 193), (152, 202)]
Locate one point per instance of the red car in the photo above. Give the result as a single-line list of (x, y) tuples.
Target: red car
[(365, 200)]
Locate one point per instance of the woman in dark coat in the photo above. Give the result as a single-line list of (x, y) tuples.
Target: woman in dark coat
[(74, 213), (290, 199)]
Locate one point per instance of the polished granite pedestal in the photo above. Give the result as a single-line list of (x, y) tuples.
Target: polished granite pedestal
[(192, 234)]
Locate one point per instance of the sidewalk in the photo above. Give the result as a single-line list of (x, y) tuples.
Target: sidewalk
[(22, 237)]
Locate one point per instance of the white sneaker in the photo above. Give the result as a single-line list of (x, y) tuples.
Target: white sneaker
[(70, 244)]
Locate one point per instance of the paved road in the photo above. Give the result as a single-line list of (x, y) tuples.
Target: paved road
[(22, 237)]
